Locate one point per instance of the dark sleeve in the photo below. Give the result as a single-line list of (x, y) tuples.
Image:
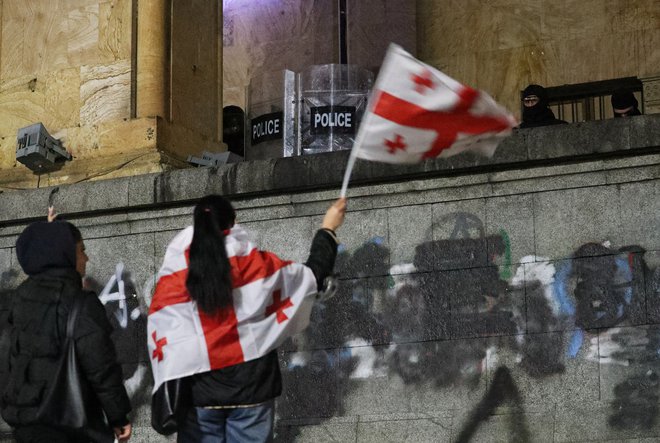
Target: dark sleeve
[(96, 354), (5, 325), (322, 255)]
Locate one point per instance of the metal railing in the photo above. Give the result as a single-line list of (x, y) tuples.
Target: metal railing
[(590, 101)]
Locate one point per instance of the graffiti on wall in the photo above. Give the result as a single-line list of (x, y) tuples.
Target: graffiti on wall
[(8, 279), (442, 318), (126, 304)]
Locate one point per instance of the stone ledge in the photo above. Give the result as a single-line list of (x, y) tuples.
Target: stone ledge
[(528, 148)]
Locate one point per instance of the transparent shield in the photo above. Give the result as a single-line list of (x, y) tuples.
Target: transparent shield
[(332, 101), (270, 131)]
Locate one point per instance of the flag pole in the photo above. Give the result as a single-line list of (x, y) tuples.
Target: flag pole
[(360, 135), (356, 147), (351, 159), (347, 174)]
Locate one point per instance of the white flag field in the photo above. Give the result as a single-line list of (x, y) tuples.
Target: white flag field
[(271, 300), (416, 112)]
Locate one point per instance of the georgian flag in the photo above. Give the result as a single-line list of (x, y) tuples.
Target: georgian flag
[(417, 112), (272, 300)]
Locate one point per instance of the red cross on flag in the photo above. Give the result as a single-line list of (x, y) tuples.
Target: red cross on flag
[(417, 112), (272, 300)]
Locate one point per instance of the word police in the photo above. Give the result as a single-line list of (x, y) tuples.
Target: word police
[(326, 119), (266, 127)]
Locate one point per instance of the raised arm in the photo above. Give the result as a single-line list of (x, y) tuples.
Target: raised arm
[(323, 251)]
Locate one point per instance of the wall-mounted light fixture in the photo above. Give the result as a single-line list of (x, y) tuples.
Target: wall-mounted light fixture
[(214, 159), (38, 150)]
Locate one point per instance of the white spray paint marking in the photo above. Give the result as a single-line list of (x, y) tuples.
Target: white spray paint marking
[(402, 275), (491, 356), (120, 296), (403, 269), (299, 359), (133, 384), (539, 269), (603, 349), (367, 357), (147, 292)]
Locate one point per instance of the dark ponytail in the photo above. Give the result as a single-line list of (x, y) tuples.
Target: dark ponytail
[(209, 271)]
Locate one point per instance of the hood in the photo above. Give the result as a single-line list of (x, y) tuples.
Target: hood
[(623, 98), (539, 114), (43, 246), (538, 91)]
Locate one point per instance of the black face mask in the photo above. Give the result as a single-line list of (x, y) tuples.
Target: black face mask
[(537, 113), (631, 113)]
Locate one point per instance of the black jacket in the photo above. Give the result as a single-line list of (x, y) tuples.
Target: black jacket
[(534, 118), (37, 324), (259, 380), (38, 327), (539, 114)]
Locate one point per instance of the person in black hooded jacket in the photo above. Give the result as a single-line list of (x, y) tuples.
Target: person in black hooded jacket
[(624, 103), (53, 256), (535, 108)]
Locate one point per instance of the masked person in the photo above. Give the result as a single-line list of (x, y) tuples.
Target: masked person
[(624, 103), (535, 108), (53, 256)]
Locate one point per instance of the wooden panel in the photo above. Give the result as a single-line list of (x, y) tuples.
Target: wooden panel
[(455, 27), (62, 98), (649, 52), (549, 42), (105, 93), (194, 66), (83, 35), (292, 34), (373, 24), (52, 69), (22, 102), (115, 30)]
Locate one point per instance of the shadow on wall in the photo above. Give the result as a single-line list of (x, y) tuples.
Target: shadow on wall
[(501, 390), (433, 322), (7, 279), (127, 315)]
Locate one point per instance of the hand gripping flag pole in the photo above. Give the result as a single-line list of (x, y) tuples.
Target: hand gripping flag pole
[(361, 133), (417, 112)]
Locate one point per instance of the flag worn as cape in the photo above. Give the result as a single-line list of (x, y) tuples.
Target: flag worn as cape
[(417, 112), (272, 300)]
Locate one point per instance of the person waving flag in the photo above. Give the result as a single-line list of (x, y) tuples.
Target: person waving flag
[(220, 309)]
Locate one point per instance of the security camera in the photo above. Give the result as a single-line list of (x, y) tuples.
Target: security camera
[(38, 150)]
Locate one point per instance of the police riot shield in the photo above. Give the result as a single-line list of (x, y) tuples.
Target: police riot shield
[(331, 102), (270, 129)]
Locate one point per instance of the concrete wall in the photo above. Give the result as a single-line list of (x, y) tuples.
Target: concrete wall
[(510, 299)]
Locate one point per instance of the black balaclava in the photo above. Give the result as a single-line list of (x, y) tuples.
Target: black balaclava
[(624, 99), (539, 113), (43, 246)]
